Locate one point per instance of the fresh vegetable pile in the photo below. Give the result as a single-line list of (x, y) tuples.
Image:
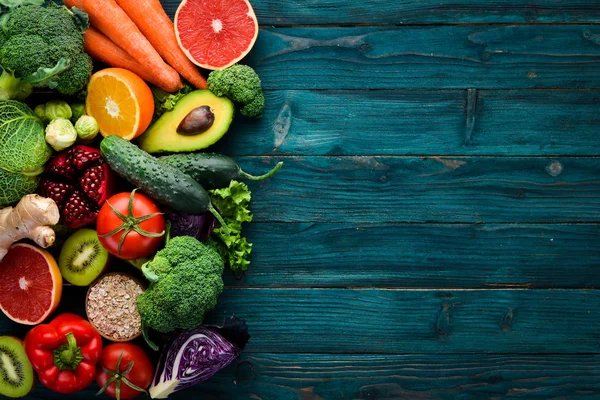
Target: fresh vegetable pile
[(106, 184)]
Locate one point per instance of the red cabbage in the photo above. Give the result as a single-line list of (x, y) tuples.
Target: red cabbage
[(194, 355), (198, 226)]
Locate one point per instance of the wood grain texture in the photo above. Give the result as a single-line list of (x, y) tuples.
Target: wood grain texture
[(483, 57), (293, 12), (427, 189), (443, 321), (378, 377), (422, 256), (420, 122)]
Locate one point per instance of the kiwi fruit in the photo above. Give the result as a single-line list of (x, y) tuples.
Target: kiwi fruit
[(16, 372), (82, 258)]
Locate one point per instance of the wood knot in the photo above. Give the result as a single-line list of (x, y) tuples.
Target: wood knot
[(442, 325), (555, 168), (507, 321)]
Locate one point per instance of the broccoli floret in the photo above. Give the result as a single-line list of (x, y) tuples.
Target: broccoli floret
[(39, 46), (185, 283), (24, 54), (242, 85), (47, 22), (75, 78)]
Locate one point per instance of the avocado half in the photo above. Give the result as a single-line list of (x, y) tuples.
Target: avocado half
[(163, 136)]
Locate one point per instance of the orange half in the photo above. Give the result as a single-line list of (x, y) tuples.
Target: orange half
[(121, 102)]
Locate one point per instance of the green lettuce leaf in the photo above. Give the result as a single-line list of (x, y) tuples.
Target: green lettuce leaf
[(232, 203)]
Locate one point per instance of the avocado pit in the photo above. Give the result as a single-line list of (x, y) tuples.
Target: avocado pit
[(198, 121)]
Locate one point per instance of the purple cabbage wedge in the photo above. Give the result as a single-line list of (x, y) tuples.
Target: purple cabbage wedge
[(198, 226), (194, 355)]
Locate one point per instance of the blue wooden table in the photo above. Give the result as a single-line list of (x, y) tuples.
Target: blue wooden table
[(434, 233)]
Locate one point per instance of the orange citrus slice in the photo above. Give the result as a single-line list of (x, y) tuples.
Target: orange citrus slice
[(30, 284), (120, 101)]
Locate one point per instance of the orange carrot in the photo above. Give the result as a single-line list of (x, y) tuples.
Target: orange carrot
[(155, 24), (111, 20), (103, 49), (73, 3)]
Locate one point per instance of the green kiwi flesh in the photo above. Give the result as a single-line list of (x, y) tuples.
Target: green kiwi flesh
[(82, 258), (16, 372)]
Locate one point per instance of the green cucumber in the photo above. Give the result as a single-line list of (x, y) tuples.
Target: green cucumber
[(165, 184), (212, 171)]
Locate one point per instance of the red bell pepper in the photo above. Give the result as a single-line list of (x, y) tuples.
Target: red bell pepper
[(64, 353)]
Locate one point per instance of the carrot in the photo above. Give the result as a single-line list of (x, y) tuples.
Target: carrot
[(155, 24), (110, 19), (73, 3), (103, 49)]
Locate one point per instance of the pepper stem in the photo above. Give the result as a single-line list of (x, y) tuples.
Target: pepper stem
[(68, 356), (261, 177)]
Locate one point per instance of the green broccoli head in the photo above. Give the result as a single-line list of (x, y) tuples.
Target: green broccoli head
[(242, 85), (77, 76), (186, 281), (43, 46), (46, 22), (24, 54)]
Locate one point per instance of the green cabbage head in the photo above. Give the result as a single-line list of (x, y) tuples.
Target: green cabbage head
[(23, 151)]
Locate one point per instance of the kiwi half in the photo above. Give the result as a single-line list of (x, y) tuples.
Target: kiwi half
[(82, 258), (16, 372)]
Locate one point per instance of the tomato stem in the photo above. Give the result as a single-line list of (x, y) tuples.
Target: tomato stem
[(117, 377)]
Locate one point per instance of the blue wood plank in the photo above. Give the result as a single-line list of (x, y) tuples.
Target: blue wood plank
[(440, 321), (375, 376), (483, 56), (422, 255), (427, 189), (420, 122), (293, 12)]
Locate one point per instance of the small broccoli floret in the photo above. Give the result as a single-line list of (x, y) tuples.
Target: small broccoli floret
[(242, 85), (186, 281), (75, 78)]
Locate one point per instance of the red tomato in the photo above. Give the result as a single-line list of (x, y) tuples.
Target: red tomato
[(142, 237), (141, 373)]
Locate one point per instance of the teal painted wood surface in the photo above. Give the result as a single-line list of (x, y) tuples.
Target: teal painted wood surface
[(311, 12), (421, 122), (428, 189), (422, 255), (434, 231), (482, 56), (376, 376), (387, 321)]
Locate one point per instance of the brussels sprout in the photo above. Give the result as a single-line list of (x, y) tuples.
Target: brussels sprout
[(78, 110), (40, 111), (86, 127), (58, 109), (60, 134)]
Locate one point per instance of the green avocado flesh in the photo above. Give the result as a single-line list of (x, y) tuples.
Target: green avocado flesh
[(162, 136)]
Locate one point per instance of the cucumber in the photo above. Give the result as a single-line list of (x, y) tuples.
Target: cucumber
[(163, 183), (212, 171)]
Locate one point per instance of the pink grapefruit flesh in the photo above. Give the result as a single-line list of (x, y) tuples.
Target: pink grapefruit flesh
[(30, 284), (215, 34)]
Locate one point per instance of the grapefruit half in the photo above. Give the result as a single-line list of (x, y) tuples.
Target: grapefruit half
[(30, 284), (215, 34)]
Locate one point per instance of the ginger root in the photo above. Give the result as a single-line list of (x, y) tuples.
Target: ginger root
[(28, 219)]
